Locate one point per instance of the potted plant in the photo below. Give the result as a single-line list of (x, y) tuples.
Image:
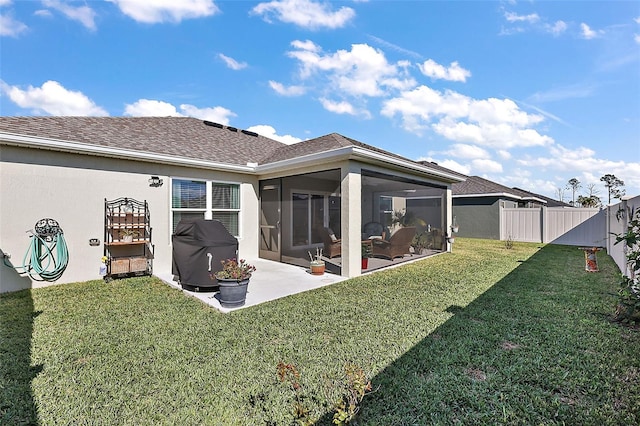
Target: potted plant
[(233, 280), (366, 254), (420, 242), (317, 264), (126, 235)]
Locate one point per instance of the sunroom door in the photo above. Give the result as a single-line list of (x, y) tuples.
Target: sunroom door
[(270, 218)]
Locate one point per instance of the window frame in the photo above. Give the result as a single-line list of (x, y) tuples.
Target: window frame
[(209, 210)]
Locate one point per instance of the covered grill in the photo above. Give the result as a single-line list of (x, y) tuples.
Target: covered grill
[(198, 248)]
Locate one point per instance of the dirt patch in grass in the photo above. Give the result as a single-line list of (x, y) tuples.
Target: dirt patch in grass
[(476, 374), (509, 346)]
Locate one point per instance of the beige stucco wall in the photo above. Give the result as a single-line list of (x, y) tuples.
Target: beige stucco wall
[(71, 189)]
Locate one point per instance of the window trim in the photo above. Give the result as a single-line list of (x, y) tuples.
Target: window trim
[(209, 210)]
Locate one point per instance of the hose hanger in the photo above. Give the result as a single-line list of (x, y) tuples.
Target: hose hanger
[(47, 256), (47, 229)]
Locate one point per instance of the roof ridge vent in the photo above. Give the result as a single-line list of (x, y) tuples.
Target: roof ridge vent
[(250, 133), (211, 123), (232, 129)]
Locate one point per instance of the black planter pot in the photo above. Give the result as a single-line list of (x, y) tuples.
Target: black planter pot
[(233, 293)]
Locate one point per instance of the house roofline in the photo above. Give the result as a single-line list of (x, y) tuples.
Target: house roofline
[(349, 152), (356, 153), (498, 194), (120, 153)]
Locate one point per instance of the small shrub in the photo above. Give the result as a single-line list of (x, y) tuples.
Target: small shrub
[(628, 303), (356, 386), (289, 373), (508, 244), (353, 387)]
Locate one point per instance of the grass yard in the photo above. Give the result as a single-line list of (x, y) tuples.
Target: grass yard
[(484, 335)]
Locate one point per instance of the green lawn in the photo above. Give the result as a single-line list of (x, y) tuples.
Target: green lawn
[(483, 335)]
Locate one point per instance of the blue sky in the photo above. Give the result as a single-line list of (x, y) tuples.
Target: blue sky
[(525, 93)]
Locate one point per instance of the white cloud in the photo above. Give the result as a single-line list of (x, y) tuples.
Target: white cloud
[(46, 13), (514, 17), (280, 89), (492, 122), (588, 33), (436, 71), (5, 3), (504, 154), (461, 150), (637, 20), (304, 13), (232, 63), (584, 160), (455, 166), (83, 14), (556, 29), (154, 108), (10, 27), (216, 114), (342, 107), (306, 45), (52, 98), (636, 38), (151, 108), (482, 165), (158, 11), (362, 71), (270, 132)]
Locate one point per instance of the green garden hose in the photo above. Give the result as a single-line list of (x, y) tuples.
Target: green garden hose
[(47, 256)]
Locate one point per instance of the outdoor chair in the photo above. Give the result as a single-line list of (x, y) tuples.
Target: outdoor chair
[(397, 246), (375, 229), (332, 245)]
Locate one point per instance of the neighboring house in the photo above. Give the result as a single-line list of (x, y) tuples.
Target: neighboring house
[(276, 199), (550, 202), (477, 204)]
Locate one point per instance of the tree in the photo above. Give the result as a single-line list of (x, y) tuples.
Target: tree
[(593, 189), (574, 184), (560, 194), (613, 185), (589, 202)]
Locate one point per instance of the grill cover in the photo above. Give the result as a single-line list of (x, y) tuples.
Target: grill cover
[(193, 241)]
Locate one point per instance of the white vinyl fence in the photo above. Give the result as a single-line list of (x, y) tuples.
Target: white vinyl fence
[(617, 224), (579, 227), (568, 226)]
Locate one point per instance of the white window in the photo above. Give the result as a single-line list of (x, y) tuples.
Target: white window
[(206, 200)]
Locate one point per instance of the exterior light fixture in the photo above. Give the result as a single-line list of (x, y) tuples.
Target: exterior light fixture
[(155, 181)]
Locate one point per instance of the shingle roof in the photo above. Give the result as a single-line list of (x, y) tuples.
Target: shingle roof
[(322, 144), (475, 185), (176, 136), (183, 137), (550, 201)]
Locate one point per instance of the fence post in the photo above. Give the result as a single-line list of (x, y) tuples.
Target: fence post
[(543, 224)]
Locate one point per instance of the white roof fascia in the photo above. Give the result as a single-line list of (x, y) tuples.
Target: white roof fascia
[(354, 152), (129, 154), (405, 164), (324, 156), (492, 194), (535, 199)]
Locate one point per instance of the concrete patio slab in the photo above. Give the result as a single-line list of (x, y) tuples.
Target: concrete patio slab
[(271, 280)]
